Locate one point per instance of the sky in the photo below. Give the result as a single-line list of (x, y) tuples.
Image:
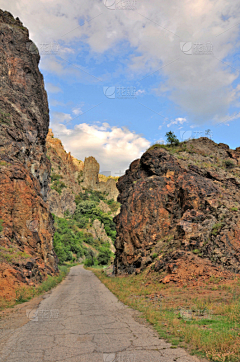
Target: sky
[(120, 74)]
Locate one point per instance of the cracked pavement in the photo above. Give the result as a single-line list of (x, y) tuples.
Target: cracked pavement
[(82, 321)]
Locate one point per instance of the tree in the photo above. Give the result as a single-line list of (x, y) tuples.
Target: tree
[(171, 138), (104, 255)]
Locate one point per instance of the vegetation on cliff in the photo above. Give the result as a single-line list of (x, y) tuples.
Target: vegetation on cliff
[(73, 238)]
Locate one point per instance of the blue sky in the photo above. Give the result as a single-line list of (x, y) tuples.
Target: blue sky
[(119, 79)]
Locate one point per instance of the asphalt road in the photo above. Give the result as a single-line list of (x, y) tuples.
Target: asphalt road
[(82, 321)]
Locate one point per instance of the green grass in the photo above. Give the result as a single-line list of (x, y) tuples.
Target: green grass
[(215, 334), (216, 228)]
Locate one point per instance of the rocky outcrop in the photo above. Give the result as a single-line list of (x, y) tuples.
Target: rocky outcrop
[(109, 188), (59, 204), (66, 172), (90, 172), (90, 179), (98, 232), (180, 208), (63, 163), (26, 223), (70, 176)]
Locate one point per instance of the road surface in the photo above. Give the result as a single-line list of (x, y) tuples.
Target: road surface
[(82, 321)]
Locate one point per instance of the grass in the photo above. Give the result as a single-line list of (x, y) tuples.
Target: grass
[(10, 254), (204, 320), (24, 294), (216, 228)]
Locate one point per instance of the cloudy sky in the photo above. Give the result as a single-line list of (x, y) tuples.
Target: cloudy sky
[(119, 75)]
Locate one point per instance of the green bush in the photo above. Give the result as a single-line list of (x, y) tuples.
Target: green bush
[(104, 255), (229, 164), (88, 262), (69, 240)]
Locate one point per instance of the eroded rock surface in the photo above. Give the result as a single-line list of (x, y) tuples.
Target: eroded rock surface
[(98, 232), (66, 172), (27, 226), (180, 208)]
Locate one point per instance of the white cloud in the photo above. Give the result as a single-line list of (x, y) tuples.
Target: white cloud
[(51, 88), (54, 102), (202, 86), (59, 118), (77, 111), (177, 121), (113, 147)]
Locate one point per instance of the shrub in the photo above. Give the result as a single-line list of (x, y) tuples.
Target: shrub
[(229, 164), (88, 262), (104, 255), (171, 138)]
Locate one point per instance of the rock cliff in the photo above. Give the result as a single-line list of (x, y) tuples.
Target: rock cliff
[(70, 176), (91, 179), (65, 173), (26, 224), (180, 212)]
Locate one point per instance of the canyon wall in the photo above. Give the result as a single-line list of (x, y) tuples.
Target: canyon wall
[(26, 224)]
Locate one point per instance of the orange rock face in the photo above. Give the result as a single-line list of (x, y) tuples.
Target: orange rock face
[(26, 230), (180, 207)]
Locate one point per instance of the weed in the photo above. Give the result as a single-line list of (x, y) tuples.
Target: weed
[(212, 330)]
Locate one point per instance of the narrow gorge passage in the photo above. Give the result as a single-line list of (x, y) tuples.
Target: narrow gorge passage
[(82, 321)]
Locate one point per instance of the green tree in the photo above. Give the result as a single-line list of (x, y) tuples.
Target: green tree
[(171, 138), (104, 255)]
